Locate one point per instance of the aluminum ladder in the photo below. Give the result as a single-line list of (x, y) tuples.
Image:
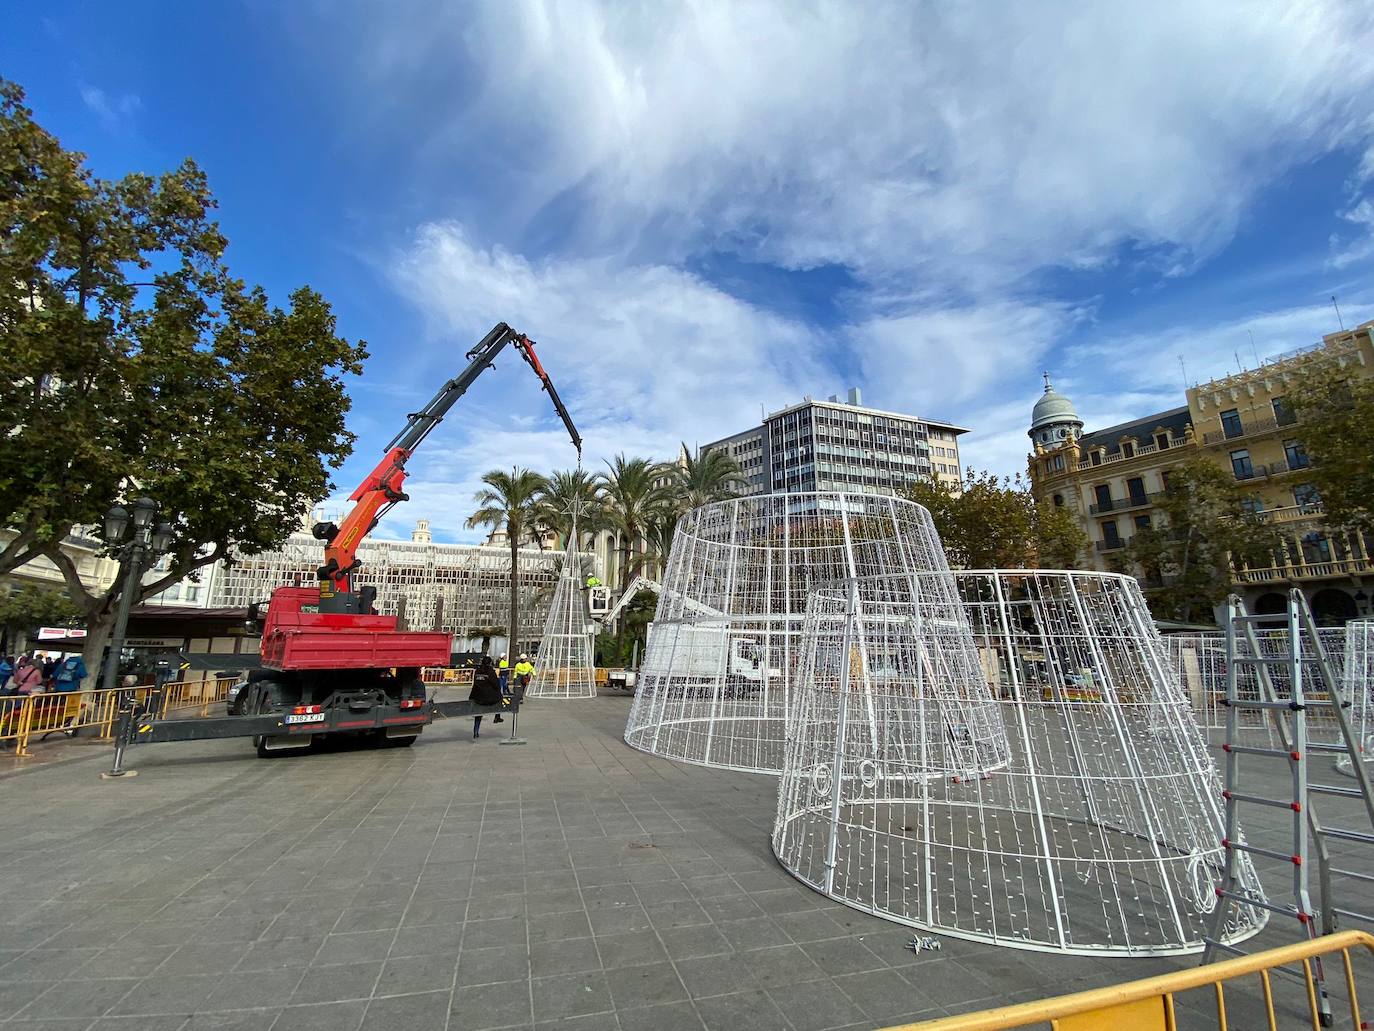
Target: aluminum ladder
[(1288, 715)]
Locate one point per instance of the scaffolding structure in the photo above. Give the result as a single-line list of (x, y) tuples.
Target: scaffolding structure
[(460, 588), (1357, 677), (565, 666), (1101, 831), (715, 684)]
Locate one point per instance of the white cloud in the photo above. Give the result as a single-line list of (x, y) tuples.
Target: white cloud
[(973, 146), (645, 357), (113, 111)]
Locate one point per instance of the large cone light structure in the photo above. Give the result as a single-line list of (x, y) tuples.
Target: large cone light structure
[(565, 666), (1098, 832), (718, 678)]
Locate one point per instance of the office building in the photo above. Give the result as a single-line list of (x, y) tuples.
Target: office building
[(841, 445)]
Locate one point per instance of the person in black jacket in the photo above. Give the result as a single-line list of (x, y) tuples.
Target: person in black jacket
[(486, 690)]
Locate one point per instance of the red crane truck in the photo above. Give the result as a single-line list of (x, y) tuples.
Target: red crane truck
[(330, 663)]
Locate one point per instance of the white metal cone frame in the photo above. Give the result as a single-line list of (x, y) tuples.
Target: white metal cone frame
[(1097, 832), (715, 684), (565, 666), (1358, 682)]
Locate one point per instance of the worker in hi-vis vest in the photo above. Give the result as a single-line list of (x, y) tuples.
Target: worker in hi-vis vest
[(524, 669), (593, 581)]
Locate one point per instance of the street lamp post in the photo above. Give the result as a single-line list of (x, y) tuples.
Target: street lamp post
[(137, 541), (136, 544)]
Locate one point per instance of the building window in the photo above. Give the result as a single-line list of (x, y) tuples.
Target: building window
[(1142, 522), (1162, 441), (1057, 464), (1306, 496), (1097, 458), (1251, 506), (1103, 494), (1110, 535), (1231, 424), (1059, 501), (1135, 487), (1240, 465), (1128, 449), (1296, 454), (1316, 548), (1283, 413)]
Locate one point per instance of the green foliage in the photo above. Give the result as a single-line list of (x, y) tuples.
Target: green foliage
[(132, 362), (713, 476), (1188, 564), (994, 523), (510, 502), (568, 491), (1336, 410), (634, 493), (28, 607)]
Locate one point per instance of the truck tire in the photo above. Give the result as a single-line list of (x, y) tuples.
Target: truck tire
[(262, 742)]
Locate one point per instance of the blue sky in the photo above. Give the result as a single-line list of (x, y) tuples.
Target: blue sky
[(699, 209)]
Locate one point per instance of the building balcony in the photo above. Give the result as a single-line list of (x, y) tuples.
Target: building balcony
[(1124, 504), (1250, 428), (1113, 545), (1291, 514), (1139, 451), (1335, 569), (1279, 468)]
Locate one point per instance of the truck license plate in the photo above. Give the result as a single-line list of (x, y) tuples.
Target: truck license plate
[(305, 717)]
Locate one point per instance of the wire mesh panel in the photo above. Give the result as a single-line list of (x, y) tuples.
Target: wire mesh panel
[(715, 682), (1098, 833), (565, 665), (1199, 663), (1358, 679)]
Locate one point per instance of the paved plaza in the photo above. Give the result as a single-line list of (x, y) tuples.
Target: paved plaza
[(454, 885)]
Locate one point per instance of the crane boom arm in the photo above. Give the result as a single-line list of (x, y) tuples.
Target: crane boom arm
[(381, 489)]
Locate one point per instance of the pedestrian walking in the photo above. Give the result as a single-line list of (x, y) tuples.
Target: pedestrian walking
[(28, 676), (49, 667), (69, 674), (503, 674), (486, 690), (6, 670)]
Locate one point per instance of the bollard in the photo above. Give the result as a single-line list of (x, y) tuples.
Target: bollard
[(123, 736), (515, 718)]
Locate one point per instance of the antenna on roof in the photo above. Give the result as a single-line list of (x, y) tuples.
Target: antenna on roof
[(1339, 320), (1252, 346), (1183, 369), (1239, 366)]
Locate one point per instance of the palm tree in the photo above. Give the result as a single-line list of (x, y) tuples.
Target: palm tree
[(508, 503), (634, 492), (713, 476), (659, 539), (566, 491)]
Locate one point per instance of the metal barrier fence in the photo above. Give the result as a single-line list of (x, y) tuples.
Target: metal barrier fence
[(26, 719), (1150, 1004)]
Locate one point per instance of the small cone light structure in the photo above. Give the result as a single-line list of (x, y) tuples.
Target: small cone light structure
[(565, 665)]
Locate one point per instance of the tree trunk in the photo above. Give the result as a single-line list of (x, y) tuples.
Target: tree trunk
[(99, 630), (513, 648)]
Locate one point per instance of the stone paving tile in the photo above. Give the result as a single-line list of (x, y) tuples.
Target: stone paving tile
[(574, 884)]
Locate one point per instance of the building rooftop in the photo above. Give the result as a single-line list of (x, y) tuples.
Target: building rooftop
[(1174, 420), (844, 406)]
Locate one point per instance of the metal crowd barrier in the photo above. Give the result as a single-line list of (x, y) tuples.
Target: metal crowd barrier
[(27, 719), (1149, 1004)]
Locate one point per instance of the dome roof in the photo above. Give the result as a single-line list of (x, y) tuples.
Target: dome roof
[(1053, 407)]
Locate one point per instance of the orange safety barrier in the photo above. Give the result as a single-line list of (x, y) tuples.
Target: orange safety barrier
[(25, 719), (1149, 1004)]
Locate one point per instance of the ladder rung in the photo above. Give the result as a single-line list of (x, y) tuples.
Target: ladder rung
[(1324, 746), (1278, 753), (1277, 803), (1259, 851), (1332, 789), (1347, 835), (1246, 900), (1241, 703)]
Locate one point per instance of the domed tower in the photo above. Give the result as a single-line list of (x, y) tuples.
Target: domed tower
[(1053, 421), (421, 534)]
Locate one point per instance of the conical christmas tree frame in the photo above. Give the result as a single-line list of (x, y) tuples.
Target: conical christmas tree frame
[(565, 667)]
